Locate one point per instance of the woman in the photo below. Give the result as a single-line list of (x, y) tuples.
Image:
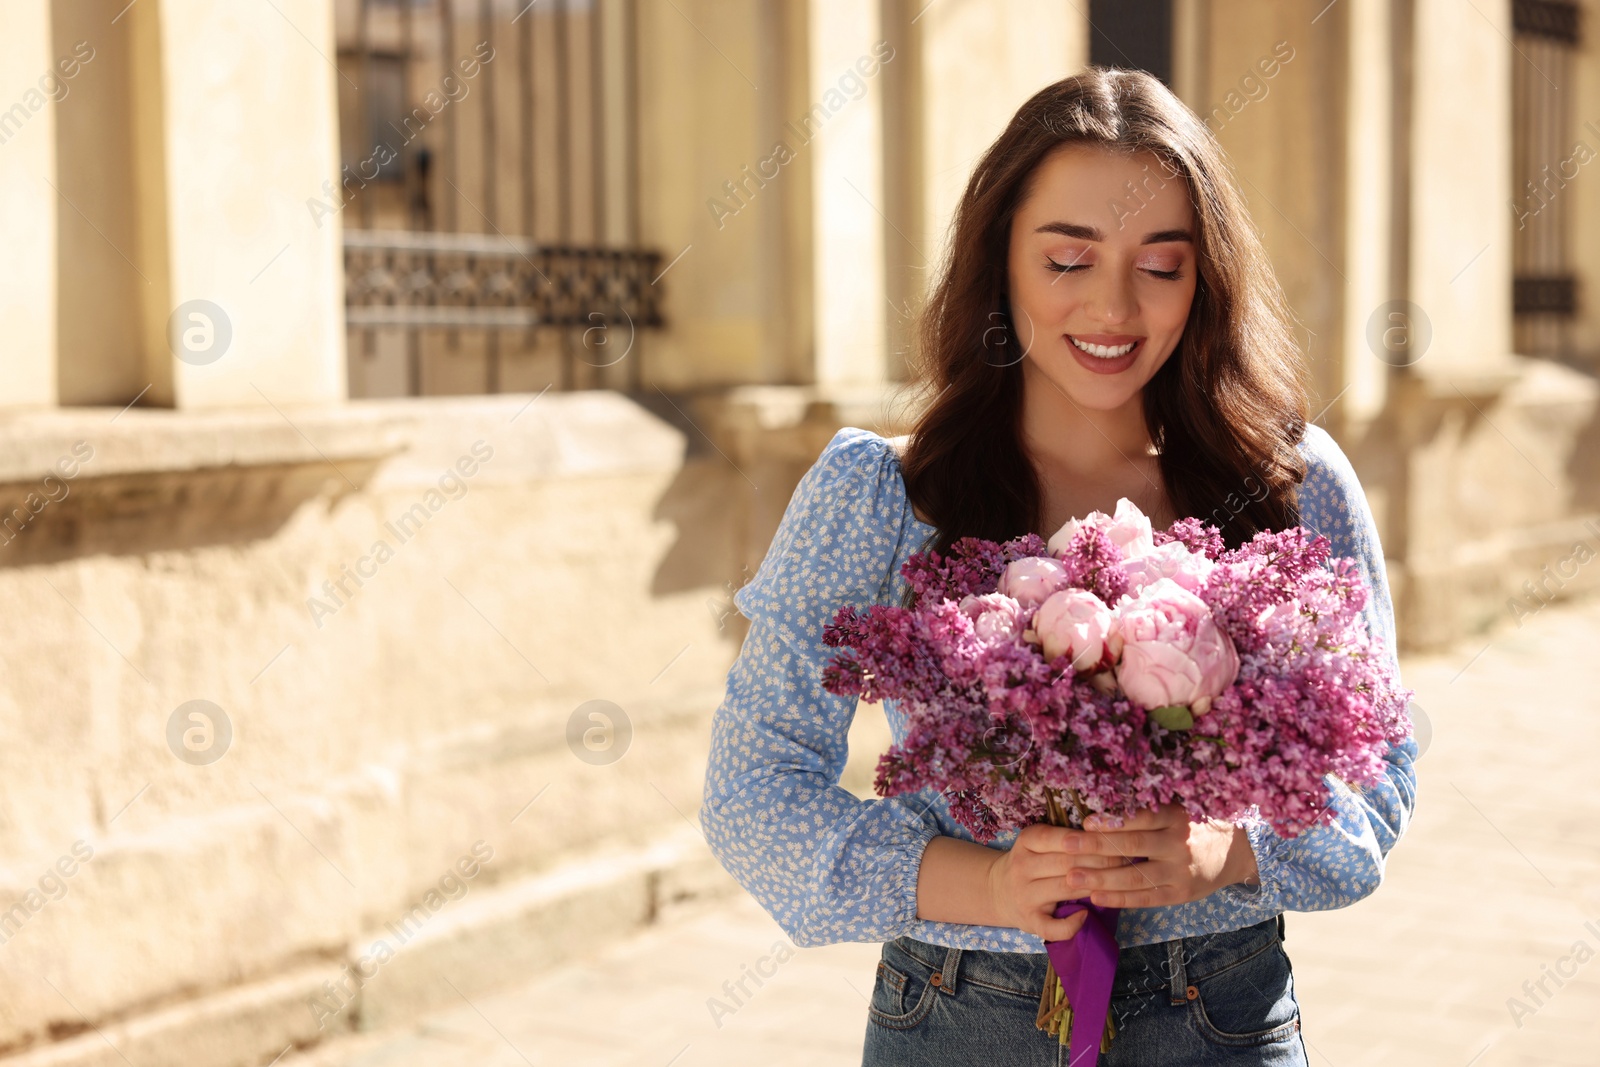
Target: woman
[(1107, 326)]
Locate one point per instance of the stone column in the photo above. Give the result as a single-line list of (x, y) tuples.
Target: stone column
[(1460, 182), (843, 129), (724, 186), (976, 71), (28, 204), (235, 113), (1369, 237), (1273, 96), (1457, 277)]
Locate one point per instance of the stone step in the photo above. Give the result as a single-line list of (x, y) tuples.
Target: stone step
[(489, 938)]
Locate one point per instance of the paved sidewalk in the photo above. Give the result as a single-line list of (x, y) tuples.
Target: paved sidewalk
[(1492, 887), (644, 1003)]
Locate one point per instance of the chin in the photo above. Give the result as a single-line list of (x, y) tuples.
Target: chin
[(1094, 392)]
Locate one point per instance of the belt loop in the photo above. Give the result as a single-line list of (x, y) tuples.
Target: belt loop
[(1280, 926), (947, 973), (1178, 984)]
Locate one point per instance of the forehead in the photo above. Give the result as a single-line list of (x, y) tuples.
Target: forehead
[(1090, 184)]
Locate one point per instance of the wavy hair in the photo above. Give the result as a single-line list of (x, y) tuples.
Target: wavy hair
[(1226, 409)]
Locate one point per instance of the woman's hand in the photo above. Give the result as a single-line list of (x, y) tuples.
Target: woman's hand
[(1034, 875), (1183, 860)]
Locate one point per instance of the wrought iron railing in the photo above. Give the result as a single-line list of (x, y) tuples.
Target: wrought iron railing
[(490, 195)]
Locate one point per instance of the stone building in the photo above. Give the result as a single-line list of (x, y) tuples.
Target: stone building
[(360, 353)]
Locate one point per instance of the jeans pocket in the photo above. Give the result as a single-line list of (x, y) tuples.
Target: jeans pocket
[(903, 994), (1249, 1003)]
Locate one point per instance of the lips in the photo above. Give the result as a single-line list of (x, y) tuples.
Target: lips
[(1105, 353)]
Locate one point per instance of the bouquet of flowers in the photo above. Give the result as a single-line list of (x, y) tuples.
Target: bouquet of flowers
[(1117, 668)]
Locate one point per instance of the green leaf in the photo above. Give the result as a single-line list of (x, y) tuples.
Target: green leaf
[(1173, 716)]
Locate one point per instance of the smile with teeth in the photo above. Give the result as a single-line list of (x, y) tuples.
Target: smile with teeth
[(1103, 351)]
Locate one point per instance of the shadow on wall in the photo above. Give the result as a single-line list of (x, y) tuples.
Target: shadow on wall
[(726, 502), (708, 502), (1583, 467), (133, 514)]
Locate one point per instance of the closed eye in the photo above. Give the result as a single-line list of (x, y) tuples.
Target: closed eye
[(1070, 268)]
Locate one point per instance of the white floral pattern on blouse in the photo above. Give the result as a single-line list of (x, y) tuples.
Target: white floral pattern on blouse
[(831, 867)]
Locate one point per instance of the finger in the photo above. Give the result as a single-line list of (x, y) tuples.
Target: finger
[(1053, 929), (1137, 898), (1139, 820), (1172, 814), (1145, 819), (1041, 837), (1059, 864), (1129, 877), (1124, 843)]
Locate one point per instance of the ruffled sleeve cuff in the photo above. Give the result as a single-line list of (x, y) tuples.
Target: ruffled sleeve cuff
[(1269, 848)]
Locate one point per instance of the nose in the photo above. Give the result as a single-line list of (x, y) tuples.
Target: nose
[(1112, 301)]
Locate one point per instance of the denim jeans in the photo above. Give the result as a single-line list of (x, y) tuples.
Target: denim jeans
[(1215, 999)]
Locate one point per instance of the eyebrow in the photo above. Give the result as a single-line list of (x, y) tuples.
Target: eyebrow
[(1089, 233)]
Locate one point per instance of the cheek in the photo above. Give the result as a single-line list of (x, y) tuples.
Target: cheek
[(1169, 309), (1044, 301), (1027, 298)]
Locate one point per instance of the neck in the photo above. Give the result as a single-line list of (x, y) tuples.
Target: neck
[(1078, 442)]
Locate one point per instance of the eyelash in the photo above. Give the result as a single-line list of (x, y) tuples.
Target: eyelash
[(1068, 268)]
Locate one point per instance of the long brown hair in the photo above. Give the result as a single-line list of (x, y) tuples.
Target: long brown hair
[(1226, 409)]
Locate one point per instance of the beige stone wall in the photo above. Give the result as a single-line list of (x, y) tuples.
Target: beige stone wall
[(28, 205), (582, 562)]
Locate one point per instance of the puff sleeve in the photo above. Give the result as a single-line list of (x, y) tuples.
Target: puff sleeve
[(826, 865), (1337, 864)]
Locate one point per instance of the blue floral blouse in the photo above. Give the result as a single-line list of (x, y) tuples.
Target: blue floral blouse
[(831, 867)]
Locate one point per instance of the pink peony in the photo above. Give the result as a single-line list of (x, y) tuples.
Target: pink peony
[(1171, 560), (1076, 623), (1129, 529), (995, 616), (1031, 579), (1173, 651)]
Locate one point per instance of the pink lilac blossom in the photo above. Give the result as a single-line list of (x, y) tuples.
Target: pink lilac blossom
[(992, 721)]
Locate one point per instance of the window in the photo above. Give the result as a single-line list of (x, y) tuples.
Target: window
[(1545, 160)]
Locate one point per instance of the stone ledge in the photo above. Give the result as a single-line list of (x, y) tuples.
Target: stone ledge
[(584, 434), (795, 422), (151, 441), (75, 483), (579, 434)]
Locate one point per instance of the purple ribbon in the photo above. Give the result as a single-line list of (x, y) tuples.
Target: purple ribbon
[(1086, 965)]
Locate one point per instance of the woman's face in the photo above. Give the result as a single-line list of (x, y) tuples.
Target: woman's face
[(1102, 272)]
